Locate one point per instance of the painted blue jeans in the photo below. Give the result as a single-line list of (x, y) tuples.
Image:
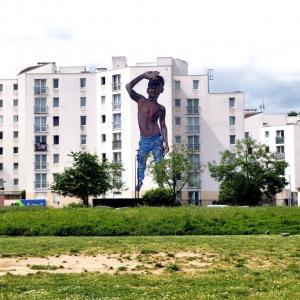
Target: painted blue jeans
[(153, 144)]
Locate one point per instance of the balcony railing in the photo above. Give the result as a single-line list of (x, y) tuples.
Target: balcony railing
[(279, 139), (194, 147), (116, 86), (194, 183), (116, 145), (280, 155), (40, 166), (40, 109), (192, 110), (193, 128), (116, 106), (117, 125), (40, 90), (40, 128), (40, 147), (41, 184)]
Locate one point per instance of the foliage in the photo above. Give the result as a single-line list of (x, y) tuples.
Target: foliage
[(248, 172), (176, 170), (158, 197), (87, 177), (292, 114), (23, 194), (36, 221)]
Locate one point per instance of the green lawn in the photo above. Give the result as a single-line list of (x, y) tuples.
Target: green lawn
[(243, 267)]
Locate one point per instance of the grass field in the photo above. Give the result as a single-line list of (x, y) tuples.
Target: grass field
[(233, 267), (148, 221)]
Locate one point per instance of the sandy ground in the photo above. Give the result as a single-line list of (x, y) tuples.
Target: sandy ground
[(107, 263)]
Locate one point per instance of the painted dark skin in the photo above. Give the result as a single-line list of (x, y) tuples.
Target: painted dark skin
[(151, 114)]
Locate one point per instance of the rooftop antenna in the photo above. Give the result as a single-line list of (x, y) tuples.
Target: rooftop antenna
[(210, 75), (262, 105)]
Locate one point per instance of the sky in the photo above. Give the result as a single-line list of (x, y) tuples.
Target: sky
[(253, 46)]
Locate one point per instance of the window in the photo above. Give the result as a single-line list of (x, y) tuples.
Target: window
[(117, 157), (40, 105), (55, 121), (103, 118), (1, 120), (193, 143), (82, 120), (232, 139), (177, 85), (1, 102), (1, 150), (15, 102), (246, 135), (40, 86), (116, 121), (40, 124), (16, 181), (16, 150), (83, 139), (193, 124), (40, 161), (117, 141), (116, 82), (279, 149), (267, 149), (193, 198), (102, 99), (15, 134), (1, 135), (195, 180), (82, 83), (279, 139), (40, 181), (177, 139), (1, 88), (82, 101), (192, 106), (55, 83), (232, 120), (16, 166), (1, 166), (102, 80), (177, 120), (194, 159), (195, 85), (56, 139), (55, 102), (177, 102), (103, 155), (267, 134), (231, 102), (40, 139), (55, 158), (103, 138), (15, 86), (116, 101), (15, 118)]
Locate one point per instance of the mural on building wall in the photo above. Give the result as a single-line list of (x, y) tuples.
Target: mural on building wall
[(151, 120)]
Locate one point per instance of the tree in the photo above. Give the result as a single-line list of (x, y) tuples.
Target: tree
[(248, 172), (176, 170), (87, 177), (292, 114)]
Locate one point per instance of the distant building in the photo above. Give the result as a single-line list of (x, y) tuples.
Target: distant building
[(47, 112)]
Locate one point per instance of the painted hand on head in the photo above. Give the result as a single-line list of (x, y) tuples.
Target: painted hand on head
[(151, 74)]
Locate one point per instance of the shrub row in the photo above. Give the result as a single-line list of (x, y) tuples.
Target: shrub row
[(148, 221)]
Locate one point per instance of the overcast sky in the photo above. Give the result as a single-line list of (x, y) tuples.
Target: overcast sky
[(252, 45)]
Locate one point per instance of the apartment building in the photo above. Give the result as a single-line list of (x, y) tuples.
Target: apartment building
[(47, 112), (280, 134)]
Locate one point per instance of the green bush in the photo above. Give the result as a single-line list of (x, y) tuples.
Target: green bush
[(158, 197), (37, 221)]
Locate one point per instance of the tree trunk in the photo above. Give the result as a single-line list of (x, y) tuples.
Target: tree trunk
[(85, 200)]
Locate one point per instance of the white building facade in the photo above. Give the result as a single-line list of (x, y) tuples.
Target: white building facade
[(47, 112)]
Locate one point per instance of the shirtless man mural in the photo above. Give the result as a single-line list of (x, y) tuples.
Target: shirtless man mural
[(151, 118)]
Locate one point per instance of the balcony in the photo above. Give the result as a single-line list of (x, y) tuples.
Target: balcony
[(279, 139), (41, 184), (40, 128), (40, 90), (40, 166), (116, 86), (116, 106), (116, 145), (40, 147), (193, 128), (192, 110), (280, 155), (194, 147), (40, 109), (117, 125)]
